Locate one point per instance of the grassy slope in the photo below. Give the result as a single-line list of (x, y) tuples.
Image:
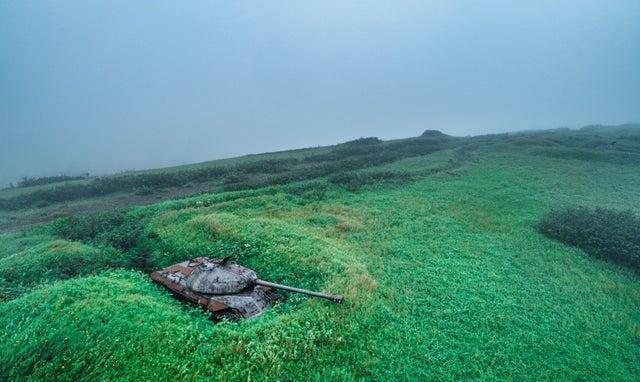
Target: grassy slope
[(445, 278), (38, 213)]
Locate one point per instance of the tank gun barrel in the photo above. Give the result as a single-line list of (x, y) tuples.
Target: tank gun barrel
[(335, 298)]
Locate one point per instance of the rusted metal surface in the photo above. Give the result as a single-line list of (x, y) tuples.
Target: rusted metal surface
[(225, 289), (215, 306)]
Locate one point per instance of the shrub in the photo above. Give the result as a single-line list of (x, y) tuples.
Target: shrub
[(364, 141), (433, 134), (266, 166), (415, 147), (28, 182), (614, 157), (601, 232), (234, 178), (312, 191), (144, 190), (353, 181), (114, 228), (345, 151)]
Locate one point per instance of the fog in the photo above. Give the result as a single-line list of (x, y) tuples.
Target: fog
[(108, 86)]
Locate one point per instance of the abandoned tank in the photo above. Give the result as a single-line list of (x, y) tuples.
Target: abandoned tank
[(225, 289)]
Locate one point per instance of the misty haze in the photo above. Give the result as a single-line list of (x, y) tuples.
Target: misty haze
[(100, 87), (320, 191)]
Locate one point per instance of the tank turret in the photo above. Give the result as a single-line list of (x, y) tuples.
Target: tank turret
[(227, 290)]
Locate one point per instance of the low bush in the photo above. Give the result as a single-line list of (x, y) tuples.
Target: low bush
[(364, 141), (115, 228), (346, 151), (532, 141), (601, 232), (310, 192), (119, 230), (28, 182), (266, 166), (145, 190), (353, 181), (590, 155), (415, 147), (433, 134), (234, 178)]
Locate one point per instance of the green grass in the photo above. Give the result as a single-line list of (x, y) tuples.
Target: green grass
[(444, 272)]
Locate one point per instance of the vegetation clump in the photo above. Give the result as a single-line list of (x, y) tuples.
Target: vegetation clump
[(29, 182), (433, 134), (266, 166), (364, 141), (116, 228), (353, 181), (312, 191), (601, 232)]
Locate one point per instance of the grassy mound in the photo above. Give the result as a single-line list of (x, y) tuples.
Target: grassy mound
[(106, 327), (55, 260), (118, 324), (115, 228)]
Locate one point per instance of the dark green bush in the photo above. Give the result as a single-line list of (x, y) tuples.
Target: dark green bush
[(433, 134), (28, 182), (234, 178), (345, 151), (311, 192), (144, 190), (590, 155), (415, 147), (115, 228), (601, 232), (119, 230), (266, 166), (353, 181), (364, 141)]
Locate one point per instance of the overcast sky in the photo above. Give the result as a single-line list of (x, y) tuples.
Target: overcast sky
[(106, 86)]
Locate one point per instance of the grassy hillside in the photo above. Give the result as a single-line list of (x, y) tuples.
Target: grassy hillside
[(433, 241)]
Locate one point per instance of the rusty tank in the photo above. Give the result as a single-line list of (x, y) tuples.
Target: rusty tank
[(225, 289)]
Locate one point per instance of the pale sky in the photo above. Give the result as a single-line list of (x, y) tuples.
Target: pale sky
[(104, 86)]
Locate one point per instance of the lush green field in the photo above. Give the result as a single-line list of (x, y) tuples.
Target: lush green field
[(436, 251)]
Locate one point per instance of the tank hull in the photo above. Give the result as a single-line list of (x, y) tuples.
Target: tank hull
[(246, 303)]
